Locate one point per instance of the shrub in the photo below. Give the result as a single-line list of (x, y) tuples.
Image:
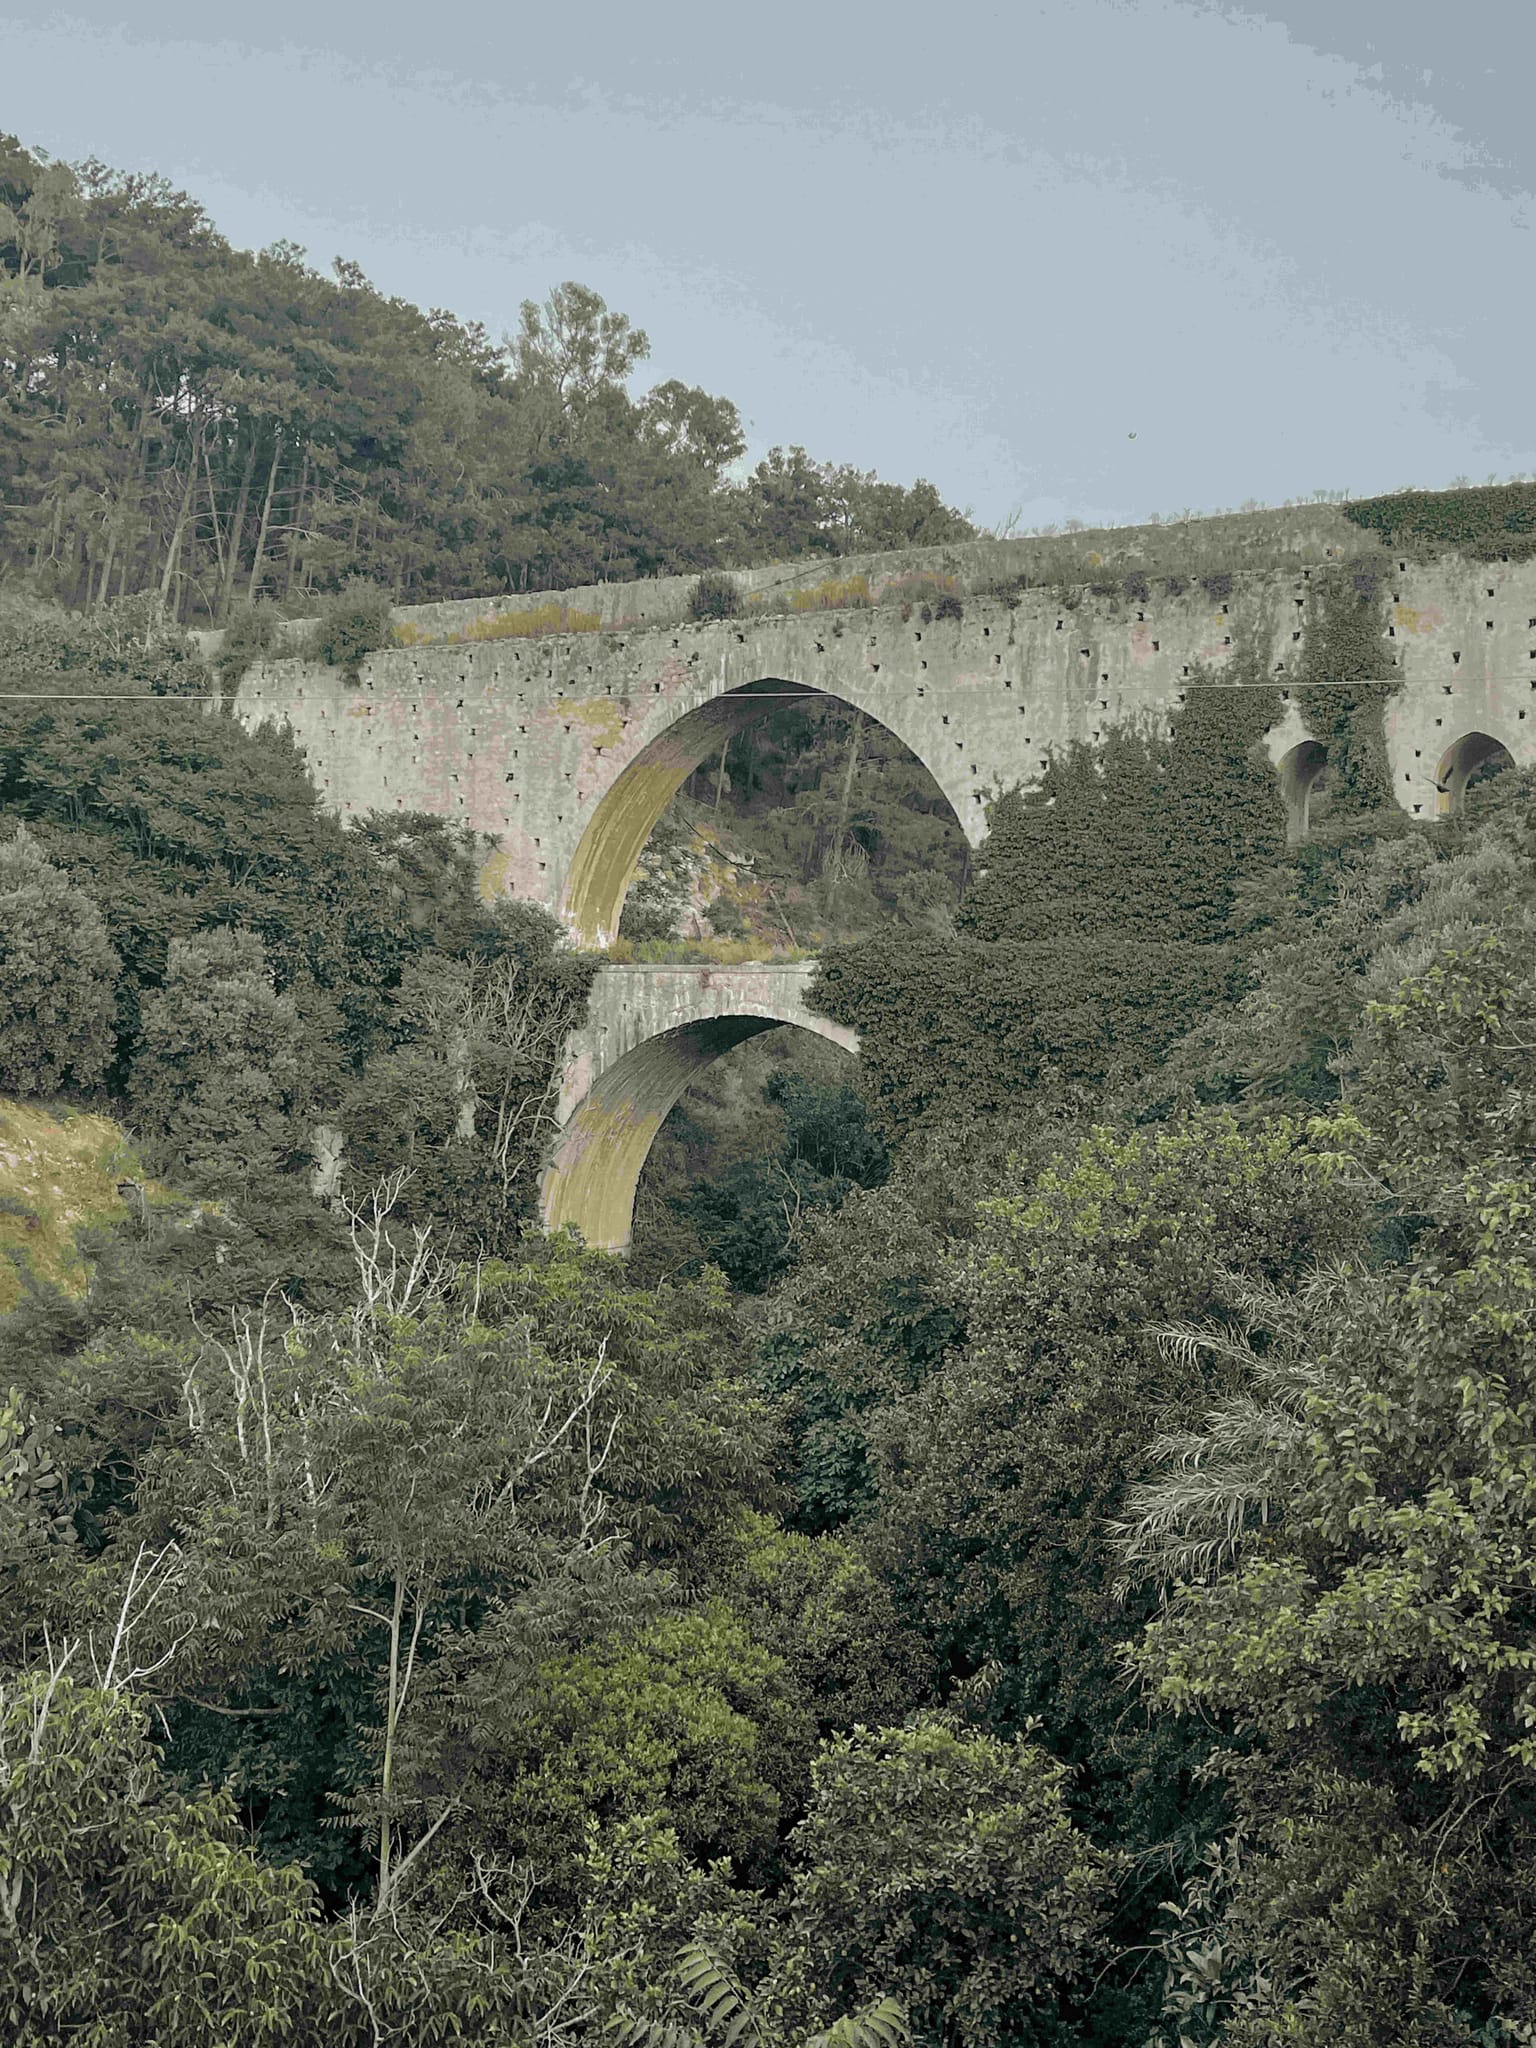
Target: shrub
[(249, 635), (1487, 521), (219, 1065), (944, 1863), (1004, 590), (949, 607), (916, 588), (351, 625), (714, 596), (725, 918), (58, 976)]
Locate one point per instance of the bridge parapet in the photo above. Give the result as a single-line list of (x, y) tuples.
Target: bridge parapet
[(648, 1032)]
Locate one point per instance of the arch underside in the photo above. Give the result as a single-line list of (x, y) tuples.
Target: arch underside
[(1303, 772), (596, 1168), (1460, 762), (629, 812)]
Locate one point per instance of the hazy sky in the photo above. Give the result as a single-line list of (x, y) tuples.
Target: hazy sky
[(1286, 246)]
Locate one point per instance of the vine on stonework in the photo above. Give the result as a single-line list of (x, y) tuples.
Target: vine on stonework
[(1102, 927), (1145, 835), (1345, 681), (1491, 522)]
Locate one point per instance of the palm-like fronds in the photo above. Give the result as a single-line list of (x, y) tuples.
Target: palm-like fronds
[(732, 2018), (1215, 1487), (881, 2025)]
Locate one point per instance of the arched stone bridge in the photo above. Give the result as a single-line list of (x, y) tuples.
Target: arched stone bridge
[(648, 1031), (565, 750)]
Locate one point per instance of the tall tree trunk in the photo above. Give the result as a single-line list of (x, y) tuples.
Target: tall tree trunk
[(132, 490), (56, 534), (266, 515), (296, 529), (173, 545), (213, 513), (108, 560), (236, 529), (845, 801)]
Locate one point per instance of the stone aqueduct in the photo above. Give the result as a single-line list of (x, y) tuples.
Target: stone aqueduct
[(566, 749)]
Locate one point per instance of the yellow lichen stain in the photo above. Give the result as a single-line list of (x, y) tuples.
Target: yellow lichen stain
[(495, 876), (601, 719), (360, 711), (836, 594), (542, 619), (1409, 618), (535, 623), (917, 586), (1095, 559)]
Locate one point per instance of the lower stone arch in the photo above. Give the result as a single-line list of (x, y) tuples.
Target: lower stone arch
[(629, 811), (591, 1180), (1302, 772), (1460, 762)]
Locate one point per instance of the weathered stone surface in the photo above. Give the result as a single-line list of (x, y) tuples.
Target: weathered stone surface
[(566, 750), (649, 1030)]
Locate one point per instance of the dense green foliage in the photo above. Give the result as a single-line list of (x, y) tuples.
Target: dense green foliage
[(59, 973), (1495, 522), (1087, 1599), (1097, 935), (738, 1174)]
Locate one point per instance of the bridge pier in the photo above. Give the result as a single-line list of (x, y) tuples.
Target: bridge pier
[(648, 1032)]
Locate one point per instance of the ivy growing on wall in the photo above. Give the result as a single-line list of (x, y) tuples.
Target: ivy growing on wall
[(1488, 522), (1344, 643), (1099, 930), (1145, 836)]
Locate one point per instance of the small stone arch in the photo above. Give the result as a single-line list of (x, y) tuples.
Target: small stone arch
[(596, 1168), (629, 811), (1303, 773), (1462, 760)]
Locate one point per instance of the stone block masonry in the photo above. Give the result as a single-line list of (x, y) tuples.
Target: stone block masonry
[(648, 1032), (565, 750)]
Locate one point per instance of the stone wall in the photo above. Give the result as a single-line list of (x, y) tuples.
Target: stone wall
[(564, 750)]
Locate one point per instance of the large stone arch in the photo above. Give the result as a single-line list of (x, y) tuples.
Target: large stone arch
[(648, 1032), (630, 809), (1461, 761)]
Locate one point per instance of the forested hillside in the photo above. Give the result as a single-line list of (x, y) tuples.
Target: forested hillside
[(185, 419), (1038, 1549)]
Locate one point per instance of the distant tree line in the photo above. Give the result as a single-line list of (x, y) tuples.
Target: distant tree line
[(182, 418)]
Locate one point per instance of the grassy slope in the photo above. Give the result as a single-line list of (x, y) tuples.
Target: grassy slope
[(59, 1171)]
